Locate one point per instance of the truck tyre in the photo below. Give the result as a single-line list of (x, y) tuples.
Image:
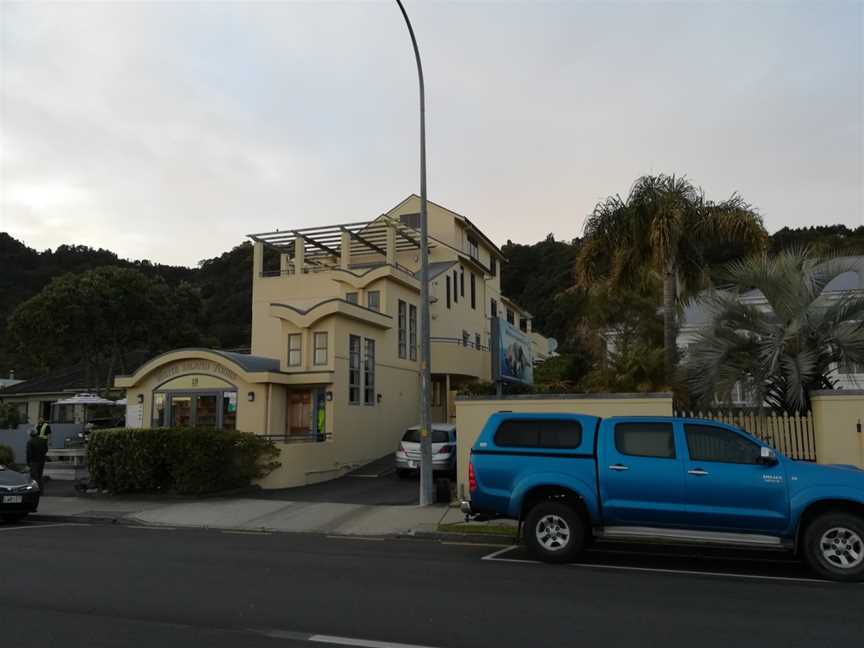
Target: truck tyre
[(834, 546), (554, 532)]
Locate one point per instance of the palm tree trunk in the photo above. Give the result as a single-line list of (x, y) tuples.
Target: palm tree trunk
[(669, 326)]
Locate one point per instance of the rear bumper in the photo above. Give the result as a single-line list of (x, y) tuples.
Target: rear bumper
[(438, 466)]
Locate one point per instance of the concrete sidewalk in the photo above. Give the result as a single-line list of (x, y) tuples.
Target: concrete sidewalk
[(253, 514)]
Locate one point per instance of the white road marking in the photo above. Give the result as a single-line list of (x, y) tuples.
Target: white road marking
[(153, 528), (364, 643), (472, 544), (333, 640), (44, 526), (361, 538), (494, 557), (250, 532)]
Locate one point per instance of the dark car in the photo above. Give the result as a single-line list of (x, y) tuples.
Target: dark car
[(19, 495)]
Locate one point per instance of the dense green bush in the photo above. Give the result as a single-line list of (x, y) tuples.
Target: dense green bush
[(7, 457), (180, 460)]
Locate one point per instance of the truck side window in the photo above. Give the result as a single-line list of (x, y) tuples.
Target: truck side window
[(711, 443), (645, 440), (539, 433)]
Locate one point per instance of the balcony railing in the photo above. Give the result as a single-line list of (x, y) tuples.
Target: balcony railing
[(468, 344)]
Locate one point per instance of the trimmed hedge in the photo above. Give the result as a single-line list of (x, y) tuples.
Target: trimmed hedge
[(188, 461), (7, 457)]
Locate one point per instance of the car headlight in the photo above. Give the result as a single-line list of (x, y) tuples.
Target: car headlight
[(33, 485)]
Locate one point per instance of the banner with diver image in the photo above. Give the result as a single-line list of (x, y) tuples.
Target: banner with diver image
[(512, 360)]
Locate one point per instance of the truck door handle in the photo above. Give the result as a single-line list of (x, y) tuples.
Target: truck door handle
[(619, 467), (699, 472)]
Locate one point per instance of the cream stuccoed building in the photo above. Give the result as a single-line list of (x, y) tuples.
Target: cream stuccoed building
[(333, 374)]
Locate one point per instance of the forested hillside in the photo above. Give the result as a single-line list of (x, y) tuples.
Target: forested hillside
[(538, 276)]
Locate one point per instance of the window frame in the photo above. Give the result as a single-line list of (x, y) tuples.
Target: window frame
[(473, 283), (412, 332), (298, 350), (455, 286), (354, 369), (377, 306), (402, 320), (461, 281), (352, 297), (493, 307), (447, 278), (369, 371), (473, 246), (316, 336), (622, 424)]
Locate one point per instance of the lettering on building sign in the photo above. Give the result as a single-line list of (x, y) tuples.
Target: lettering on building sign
[(194, 366)]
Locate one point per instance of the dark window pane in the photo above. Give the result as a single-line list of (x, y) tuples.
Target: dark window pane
[(645, 439), (711, 443), (539, 434)]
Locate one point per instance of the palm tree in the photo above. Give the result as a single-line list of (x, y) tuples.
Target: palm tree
[(785, 347), (658, 237)]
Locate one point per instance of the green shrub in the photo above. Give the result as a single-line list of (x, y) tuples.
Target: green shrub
[(180, 460), (9, 416), (7, 457)]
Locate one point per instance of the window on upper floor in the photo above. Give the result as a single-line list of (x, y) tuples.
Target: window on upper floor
[(466, 337), (354, 376), (352, 298), (511, 317), (473, 291), (412, 330), (373, 300), (403, 329), (448, 290), (473, 249), (461, 281), (295, 351), (411, 220), (493, 266), (477, 344), (319, 357), (523, 324), (493, 308), (369, 373), (455, 287)]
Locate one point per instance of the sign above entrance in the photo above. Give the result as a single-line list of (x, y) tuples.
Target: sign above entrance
[(195, 365)]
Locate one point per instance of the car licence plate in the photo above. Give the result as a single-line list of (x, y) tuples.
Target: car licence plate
[(12, 499)]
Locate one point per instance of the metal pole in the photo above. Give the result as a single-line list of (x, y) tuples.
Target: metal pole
[(427, 495)]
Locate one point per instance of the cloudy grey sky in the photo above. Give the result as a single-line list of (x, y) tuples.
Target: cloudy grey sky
[(171, 130)]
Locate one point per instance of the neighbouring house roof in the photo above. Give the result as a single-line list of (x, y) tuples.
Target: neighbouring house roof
[(76, 378), (248, 362), (697, 313)]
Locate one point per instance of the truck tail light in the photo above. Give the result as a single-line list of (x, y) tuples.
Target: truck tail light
[(444, 450), (472, 478)]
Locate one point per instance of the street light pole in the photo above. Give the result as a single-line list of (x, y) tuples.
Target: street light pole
[(426, 490)]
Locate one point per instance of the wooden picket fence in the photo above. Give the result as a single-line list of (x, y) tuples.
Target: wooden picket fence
[(793, 435)]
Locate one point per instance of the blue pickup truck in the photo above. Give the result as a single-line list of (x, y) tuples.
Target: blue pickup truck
[(570, 478)]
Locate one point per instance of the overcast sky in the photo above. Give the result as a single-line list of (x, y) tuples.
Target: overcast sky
[(169, 131)]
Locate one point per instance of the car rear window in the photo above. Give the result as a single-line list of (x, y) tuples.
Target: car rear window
[(539, 433), (438, 436)]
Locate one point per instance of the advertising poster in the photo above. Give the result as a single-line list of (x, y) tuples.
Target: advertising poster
[(511, 354)]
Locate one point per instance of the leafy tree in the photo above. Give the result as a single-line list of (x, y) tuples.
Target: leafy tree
[(658, 235), (782, 351), (96, 316)]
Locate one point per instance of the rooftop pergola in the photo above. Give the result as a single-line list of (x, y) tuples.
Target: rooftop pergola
[(324, 245)]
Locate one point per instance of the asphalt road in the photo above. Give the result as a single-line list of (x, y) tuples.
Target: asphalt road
[(124, 586)]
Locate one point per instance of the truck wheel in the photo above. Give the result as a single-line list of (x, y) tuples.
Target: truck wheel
[(554, 532), (834, 546)]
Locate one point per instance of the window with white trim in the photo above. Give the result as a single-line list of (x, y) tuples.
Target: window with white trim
[(354, 375), (412, 331), (295, 350), (320, 348), (369, 373), (403, 330)]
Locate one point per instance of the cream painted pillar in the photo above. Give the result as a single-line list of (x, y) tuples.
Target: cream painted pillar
[(345, 252), (258, 258), (837, 420), (391, 245), (299, 254), (284, 263)]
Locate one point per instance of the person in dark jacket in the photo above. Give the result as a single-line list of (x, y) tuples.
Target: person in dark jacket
[(37, 450), (44, 429)]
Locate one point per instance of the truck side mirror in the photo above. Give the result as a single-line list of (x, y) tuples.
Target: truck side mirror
[(767, 456)]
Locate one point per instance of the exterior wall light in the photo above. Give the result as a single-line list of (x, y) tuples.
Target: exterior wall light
[(379, 398), (329, 395), (139, 399), (250, 397)]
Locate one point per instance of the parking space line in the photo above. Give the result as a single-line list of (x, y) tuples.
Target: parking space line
[(495, 557), (472, 544), (44, 526), (332, 640)]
